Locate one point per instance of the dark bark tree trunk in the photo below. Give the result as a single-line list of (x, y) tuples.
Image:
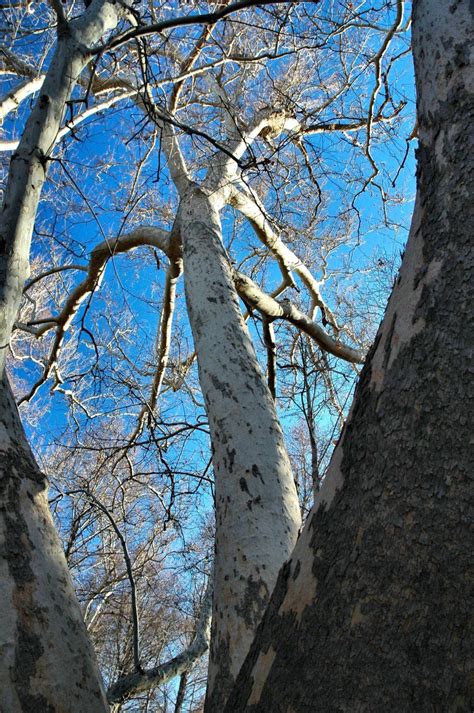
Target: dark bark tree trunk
[(372, 611)]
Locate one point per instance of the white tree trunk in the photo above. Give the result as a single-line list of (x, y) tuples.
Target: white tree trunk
[(46, 660), (257, 512), (29, 163)]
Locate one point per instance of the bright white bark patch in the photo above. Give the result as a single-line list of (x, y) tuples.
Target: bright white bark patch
[(400, 323), (260, 672), (302, 583)]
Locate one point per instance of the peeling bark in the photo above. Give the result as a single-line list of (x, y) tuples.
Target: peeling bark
[(372, 612), (257, 512)]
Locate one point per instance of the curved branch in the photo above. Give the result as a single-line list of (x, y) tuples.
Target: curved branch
[(162, 344), (274, 309), (134, 683), (250, 206), (206, 18), (131, 578), (144, 235), (12, 99), (378, 81)]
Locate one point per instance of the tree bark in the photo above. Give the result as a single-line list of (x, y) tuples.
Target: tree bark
[(257, 512), (46, 661), (372, 612), (29, 163)]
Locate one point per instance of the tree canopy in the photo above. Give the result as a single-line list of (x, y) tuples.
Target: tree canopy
[(256, 155)]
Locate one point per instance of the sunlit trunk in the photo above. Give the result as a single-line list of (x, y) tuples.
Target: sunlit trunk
[(257, 512), (46, 660)]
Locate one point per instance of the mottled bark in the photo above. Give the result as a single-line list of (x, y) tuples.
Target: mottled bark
[(46, 661), (257, 513), (372, 613)]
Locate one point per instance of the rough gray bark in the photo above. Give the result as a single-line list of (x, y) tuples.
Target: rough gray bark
[(372, 613), (257, 508)]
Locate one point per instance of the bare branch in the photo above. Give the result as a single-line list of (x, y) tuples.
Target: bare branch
[(134, 683), (207, 18), (283, 309), (15, 96), (163, 340), (249, 206), (144, 235)]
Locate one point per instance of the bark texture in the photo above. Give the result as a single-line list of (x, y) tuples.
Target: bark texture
[(46, 661), (372, 612), (47, 664), (257, 512)]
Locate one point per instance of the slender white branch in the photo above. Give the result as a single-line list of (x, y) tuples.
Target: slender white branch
[(11, 101), (249, 205), (225, 167), (135, 683), (163, 340)]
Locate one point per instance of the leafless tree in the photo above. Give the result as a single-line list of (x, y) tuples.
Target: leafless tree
[(202, 144)]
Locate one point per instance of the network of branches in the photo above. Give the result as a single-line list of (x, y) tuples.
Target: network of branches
[(300, 114)]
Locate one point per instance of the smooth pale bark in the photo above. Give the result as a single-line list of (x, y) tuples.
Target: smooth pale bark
[(46, 660), (257, 512), (29, 163), (372, 613), (15, 96)]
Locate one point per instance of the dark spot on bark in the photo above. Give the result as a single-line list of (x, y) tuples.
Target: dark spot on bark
[(223, 387), (231, 453), (256, 472), (244, 486), (419, 276)]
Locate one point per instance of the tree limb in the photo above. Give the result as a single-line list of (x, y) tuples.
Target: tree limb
[(134, 683), (283, 309)]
